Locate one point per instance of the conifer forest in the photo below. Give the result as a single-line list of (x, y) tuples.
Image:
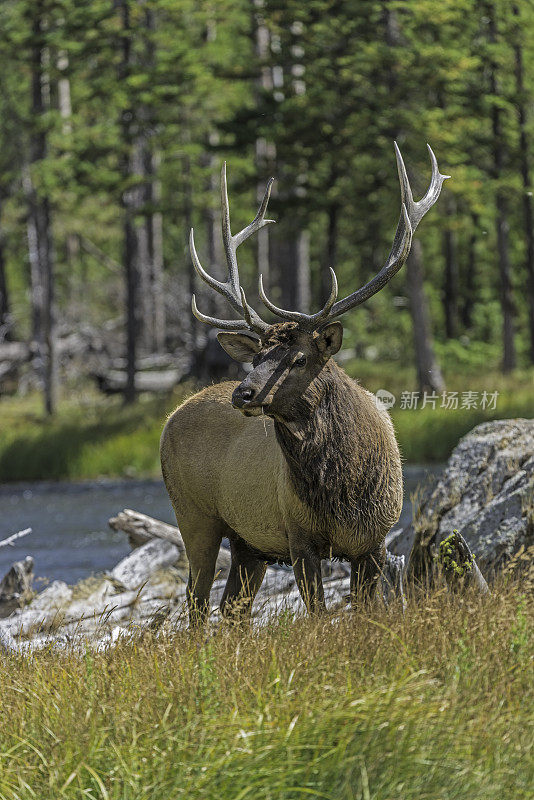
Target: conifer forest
[(116, 118)]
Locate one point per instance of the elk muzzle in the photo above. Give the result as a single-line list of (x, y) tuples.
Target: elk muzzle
[(256, 393), (248, 400)]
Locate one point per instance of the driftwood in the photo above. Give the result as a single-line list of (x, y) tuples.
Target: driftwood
[(147, 589), (12, 539), (7, 643), (113, 381), (451, 558), (134, 570), (392, 578), (141, 528)]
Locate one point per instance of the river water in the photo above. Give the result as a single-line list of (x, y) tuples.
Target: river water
[(70, 536)]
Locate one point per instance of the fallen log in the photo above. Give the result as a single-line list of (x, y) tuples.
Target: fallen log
[(12, 539), (14, 352), (134, 570), (141, 528), (113, 381)]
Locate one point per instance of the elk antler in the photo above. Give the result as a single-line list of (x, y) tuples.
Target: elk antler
[(231, 288), (411, 214)]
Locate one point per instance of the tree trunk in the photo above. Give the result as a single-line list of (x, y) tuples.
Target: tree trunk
[(429, 377), (470, 271), (506, 291), (140, 198), (501, 206), (521, 106), (188, 221), (212, 225), (150, 232), (40, 242), (5, 316), (131, 275), (154, 223), (450, 289), (290, 240), (128, 203), (291, 250), (265, 152), (331, 252), (302, 277)]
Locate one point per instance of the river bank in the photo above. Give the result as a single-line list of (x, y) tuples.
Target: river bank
[(70, 536), (93, 436)]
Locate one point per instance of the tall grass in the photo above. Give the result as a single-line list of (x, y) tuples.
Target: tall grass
[(433, 704)]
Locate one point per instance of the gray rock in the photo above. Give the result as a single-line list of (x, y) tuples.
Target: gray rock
[(16, 587), (486, 493)]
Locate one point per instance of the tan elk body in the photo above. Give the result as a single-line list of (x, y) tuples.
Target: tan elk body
[(296, 463)]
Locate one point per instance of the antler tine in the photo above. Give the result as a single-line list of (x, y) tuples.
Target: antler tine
[(307, 320), (246, 307), (411, 215), (219, 286), (231, 289), (259, 220), (231, 243), (226, 324), (280, 312)]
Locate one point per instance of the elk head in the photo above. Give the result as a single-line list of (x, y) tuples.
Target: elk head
[(287, 356)]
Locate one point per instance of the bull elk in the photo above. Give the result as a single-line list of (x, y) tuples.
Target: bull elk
[(298, 462)]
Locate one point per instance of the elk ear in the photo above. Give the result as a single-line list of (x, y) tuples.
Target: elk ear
[(240, 346), (329, 339)]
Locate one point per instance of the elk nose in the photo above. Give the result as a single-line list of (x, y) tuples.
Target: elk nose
[(242, 395)]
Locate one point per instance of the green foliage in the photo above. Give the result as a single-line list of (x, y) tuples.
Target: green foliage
[(381, 704), (447, 550), (348, 78)]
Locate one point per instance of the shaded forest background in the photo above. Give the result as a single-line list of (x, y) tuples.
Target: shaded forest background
[(116, 115)]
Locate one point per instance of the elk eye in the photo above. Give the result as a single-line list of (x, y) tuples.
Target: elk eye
[(300, 361)]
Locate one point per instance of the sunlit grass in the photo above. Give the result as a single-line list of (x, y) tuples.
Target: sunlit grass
[(435, 704)]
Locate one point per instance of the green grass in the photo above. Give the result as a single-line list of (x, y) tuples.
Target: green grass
[(93, 437), (90, 438), (427, 434), (433, 704)]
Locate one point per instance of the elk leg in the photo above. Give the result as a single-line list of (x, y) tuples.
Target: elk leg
[(307, 569), (364, 576), (202, 538), (246, 574)]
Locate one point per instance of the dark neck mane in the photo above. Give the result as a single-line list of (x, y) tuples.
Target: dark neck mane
[(332, 448)]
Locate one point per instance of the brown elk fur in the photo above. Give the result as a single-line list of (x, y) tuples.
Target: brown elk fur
[(320, 477)]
